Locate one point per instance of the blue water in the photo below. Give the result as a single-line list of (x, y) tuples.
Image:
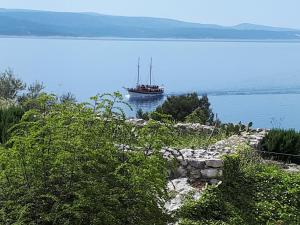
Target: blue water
[(246, 81)]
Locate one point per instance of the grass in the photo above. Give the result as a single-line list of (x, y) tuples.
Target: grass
[(196, 140)]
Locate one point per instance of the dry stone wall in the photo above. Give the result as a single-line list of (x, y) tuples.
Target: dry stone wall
[(207, 164), (193, 169), (202, 166)]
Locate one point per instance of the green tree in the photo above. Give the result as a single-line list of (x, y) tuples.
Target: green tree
[(68, 97), (10, 86), (180, 107), (83, 164), (140, 114), (29, 99), (35, 89)]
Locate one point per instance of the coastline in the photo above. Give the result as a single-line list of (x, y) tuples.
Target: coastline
[(150, 39), (230, 92)]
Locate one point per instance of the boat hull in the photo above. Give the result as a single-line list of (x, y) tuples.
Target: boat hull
[(144, 95)]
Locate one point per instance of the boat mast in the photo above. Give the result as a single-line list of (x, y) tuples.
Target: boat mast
[(138, 78), (151, 71)]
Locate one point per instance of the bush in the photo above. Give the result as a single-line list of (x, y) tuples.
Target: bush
[(83, 164), (282, 141), (197, 116), (6, 103), (8, 118), (140, 114), (232, 129), (180, 107), (251, 193), (10, 86)]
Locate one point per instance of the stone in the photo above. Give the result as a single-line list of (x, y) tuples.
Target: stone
[(180, 189), (196, 163), (215, 163), (195, 174), (187, 153), (182, 162), (180, 172), (214, 181), (211, 173), (137, 122)]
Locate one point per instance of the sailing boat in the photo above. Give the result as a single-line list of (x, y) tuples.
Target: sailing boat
[(145, 90)]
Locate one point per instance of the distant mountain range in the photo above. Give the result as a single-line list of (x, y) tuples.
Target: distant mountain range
[(92, 25)]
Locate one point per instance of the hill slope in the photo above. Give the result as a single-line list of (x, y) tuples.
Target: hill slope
[(44, 23)]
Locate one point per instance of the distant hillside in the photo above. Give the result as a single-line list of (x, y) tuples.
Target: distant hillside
[(44, 23)]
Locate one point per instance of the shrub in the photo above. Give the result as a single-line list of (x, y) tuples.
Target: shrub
[(68, 97), (197, 116), (140, 114), (10, 85), (282, 141), (28, 99), (8, 118), (6, 103), (83, 164), (231, 129), (179, 107)]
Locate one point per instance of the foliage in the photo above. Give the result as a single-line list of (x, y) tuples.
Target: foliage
[(12, 91), (28, 100), (283, 141), (140, 114), (195, 140), (197, 116), (8, 118), (180, 107), (35, 89), (251, 193), (231, 129), (68, 97), (10, 85), (6, 103), (69, 163), (203, 114)]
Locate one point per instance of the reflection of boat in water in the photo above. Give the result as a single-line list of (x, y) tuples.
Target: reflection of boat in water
[(145, 90), (147, 104), (146, 101)]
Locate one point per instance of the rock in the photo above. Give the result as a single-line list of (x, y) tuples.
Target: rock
[(179, 172), (137, 122), (211, 173), (196, 163), (215, 163), (195, 174), (187, 153), (180, 189), (199, 153), (194, 127), (214, 181), (182, 162)]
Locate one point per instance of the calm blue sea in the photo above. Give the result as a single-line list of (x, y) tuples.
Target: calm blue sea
[(245, 81)]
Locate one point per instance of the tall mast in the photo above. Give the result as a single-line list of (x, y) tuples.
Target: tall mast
[(151, 71), (138, 78)]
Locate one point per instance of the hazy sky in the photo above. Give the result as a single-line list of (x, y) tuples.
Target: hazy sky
[(285, 13)]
